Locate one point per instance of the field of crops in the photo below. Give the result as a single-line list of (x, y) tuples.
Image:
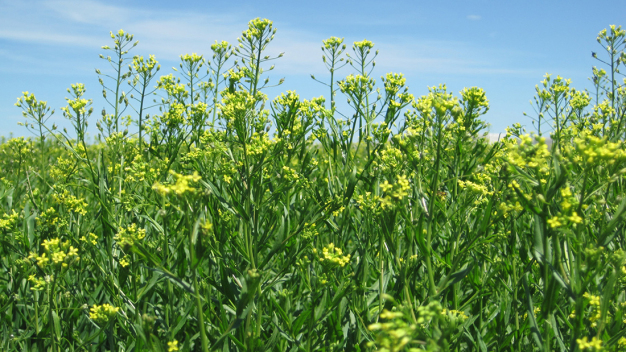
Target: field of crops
[(227, 221)]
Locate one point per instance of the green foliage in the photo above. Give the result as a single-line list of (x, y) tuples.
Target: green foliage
[(225, 225)]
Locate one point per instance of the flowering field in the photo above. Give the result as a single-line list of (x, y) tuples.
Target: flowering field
[(227, 221)]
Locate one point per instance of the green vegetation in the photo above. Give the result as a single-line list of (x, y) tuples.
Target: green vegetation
[(230, 222)]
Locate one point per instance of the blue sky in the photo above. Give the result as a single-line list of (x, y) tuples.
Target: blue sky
[(504, 47)]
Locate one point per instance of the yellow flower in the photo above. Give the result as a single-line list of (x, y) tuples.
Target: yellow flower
[(172, 346), (575, 218), (594, 344), (554, 222), (42, 260)]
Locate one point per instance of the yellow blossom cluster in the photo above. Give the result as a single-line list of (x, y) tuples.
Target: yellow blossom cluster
[(332, 257), (74, 204), (530, 154), (7, 222), (507, 208), (596, 314), (333, 43), (595, 344), (394, 82), (76, 105), (367, 201), (129, 235), (309, 231), (454, 317), (260, 144), (358, 84), (622, 343), (180, 187), (481, 190), (238, 108), (257, 28), (63, 169), (38, 284), (594, 149), (363, 45), (56, 253), (49, 220), (437, 102), (145, 66), (102, 314), (393, 334), (390, 160), (193, 58), (173, 87), (289, 174), (397, 191), (381, 132), (220, 49), (568, 215), (124, 262)]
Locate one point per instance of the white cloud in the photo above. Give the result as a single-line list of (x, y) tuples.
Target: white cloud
[(42, 37), (169, 34), (446, 57), (474, 17), (494, 137), (90, 11)]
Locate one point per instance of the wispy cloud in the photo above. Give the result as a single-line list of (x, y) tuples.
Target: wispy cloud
[(168, 34), (447, 57), (43, 37), (91, 12), (473, 17)]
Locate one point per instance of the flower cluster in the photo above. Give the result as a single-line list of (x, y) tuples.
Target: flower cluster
[(594, 149), (333, 43), (568, 215), (7, 222), (367, 201), (480, 188), (257, 28), (129, 235), (398, 97), (391, 160), (173, 87), (532, 152), (393, 334), (596, 314), (289, 174), (354, 86), (48, 221), (38, 284), (332, 257), (76, 105), (180, 187), (595, 344), (453, 318), (397, 191), (142, 66), (221, 49), (56, 253), (260, 144), (102, 314), (238, 108), (73, 203)]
